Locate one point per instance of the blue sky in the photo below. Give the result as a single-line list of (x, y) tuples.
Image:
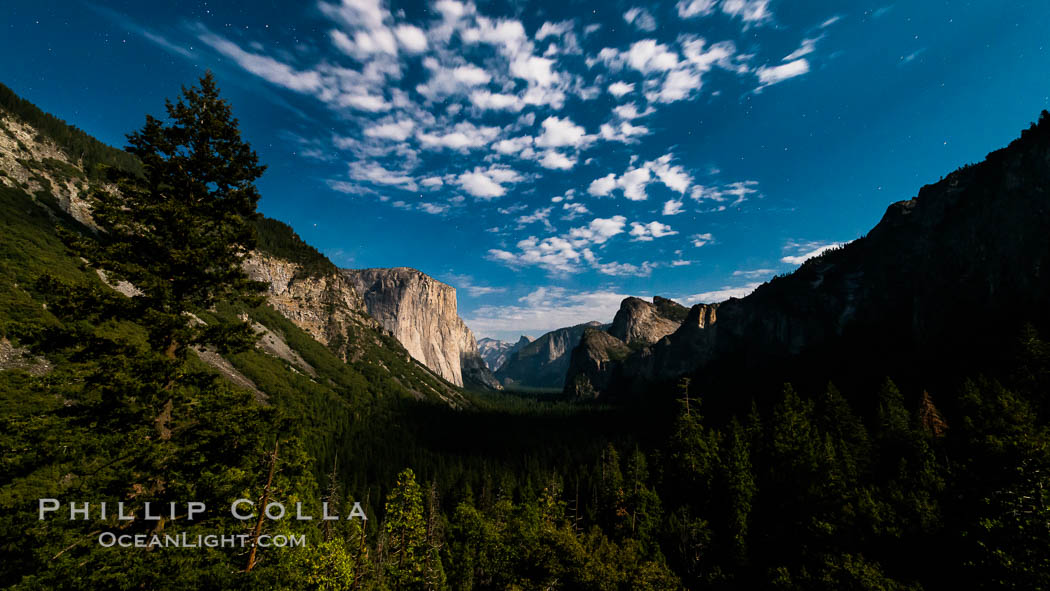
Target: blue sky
[(550, 158)]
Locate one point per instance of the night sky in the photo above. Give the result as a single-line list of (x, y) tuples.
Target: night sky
[(549, 158)]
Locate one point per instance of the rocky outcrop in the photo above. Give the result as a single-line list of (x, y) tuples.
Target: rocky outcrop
[(592, 363), (421, 313), (42, 169), (495, 352), (543, 363), (639, 323), (328, 307), (967, 256)]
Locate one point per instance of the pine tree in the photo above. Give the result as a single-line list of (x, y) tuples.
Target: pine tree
[(406, 533), (179, 231), (144, 419)]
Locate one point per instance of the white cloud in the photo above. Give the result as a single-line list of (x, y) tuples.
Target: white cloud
[(633, 183), (534, 69), (471, 75), (674, 177), (556, 160), (754, 273), (446, 81), (513, 145), (807, 47), (598, 231), (624, 132), (574, 210), (619, 89), (694, 8), (553, 29), (465, 283), (602, 186), (412, 39), (702, 239), (640, 18), (558, 132), (648, 56), (545, 309), (571, 252), (647, 232), (555, 254), (375, 173), (806, 251), (540, 215), (749, 11), (364, 102), (265, 67), (394, 130), (630, 111), (484, 99), (432, 181), (672, 207), (720, 295), (772, 75), (624, 269), (678, 84), (740, 191), (462, 136), (487, 184), (433, 208)]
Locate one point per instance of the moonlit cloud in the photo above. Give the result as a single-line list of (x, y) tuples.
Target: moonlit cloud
[(806, 250), (672, 207), (776, 74), (487, 184), (647, 232), (544, 309), (641, 18), (619, 89), (695, 8), (531, 122), (702, 239), (720, 295)]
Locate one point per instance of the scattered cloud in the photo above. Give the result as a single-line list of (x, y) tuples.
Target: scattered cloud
[(695, 8), (754, 273), (619, 89), (702, 239), (544, 309), (770, 75), (672, 207), (720, 295), (647, 232), (488, 183), (641, 18), (804, 251), (466, 283)]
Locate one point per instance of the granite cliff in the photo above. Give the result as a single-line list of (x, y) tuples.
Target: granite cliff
[(421, 313), (639, 322)]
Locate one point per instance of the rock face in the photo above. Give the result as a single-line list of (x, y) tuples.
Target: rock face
[(495, 353), (421, 313), (968, 256), (328, 307), (42, 168), (591, 364), (543, 363), (639, 322)]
